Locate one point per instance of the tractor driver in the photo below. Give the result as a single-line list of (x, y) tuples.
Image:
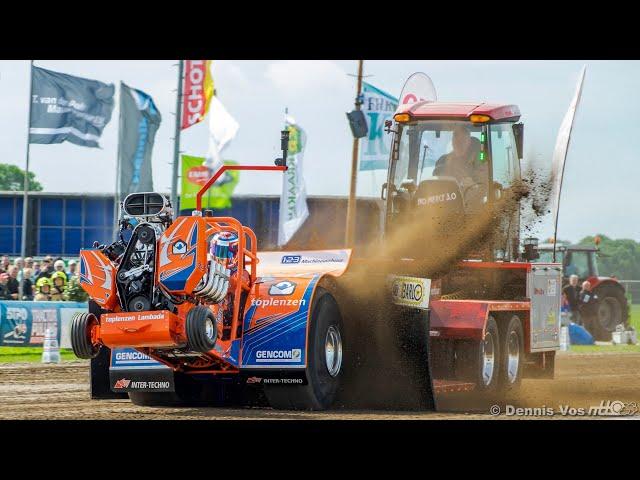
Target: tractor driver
[(463, 161)]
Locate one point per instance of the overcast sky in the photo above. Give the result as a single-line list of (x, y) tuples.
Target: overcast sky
[(603, 165)]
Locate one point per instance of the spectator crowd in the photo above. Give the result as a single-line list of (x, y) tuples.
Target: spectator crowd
[(43, 280)]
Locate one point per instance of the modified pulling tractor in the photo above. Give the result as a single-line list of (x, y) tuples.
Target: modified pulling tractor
[(188, 310)]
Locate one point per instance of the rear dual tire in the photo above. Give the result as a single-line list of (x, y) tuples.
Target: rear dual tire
[(325, 361), (512, 355), (494, 364)]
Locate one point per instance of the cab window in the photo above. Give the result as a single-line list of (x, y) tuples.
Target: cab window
[(578, 263), (506, 166)]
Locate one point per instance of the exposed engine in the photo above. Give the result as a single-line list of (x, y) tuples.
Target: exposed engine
[(145, 217)]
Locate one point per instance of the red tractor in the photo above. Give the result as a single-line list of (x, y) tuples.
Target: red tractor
[(582, 260)]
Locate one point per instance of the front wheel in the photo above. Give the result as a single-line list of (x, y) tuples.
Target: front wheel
[(201, 329), (81, 327), (325, 361)]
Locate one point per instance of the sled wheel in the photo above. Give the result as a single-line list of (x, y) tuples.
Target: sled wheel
[(201, 328), (325, 361), (511, 355), (477, 362), (81, 326)]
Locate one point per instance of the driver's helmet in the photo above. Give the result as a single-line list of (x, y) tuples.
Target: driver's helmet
[(224, 249), (42, 283)]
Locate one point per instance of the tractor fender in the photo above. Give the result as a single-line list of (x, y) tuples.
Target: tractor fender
[(277, 313), (598, 282), (467, 319)]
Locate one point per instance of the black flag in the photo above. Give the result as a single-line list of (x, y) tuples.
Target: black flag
[(68, 108)]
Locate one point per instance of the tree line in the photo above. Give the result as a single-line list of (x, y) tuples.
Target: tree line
[(619, 257)]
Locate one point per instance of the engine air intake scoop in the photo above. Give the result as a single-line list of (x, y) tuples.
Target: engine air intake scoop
[(144, 204)]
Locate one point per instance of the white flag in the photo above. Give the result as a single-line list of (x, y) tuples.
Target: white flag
[(222, 129), (293, 201), (562, 147)]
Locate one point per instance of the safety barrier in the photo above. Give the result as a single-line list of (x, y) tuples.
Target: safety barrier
[(23, 324)]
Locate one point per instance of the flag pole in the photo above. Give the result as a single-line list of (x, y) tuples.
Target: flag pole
[(351, 205), (25, 194), (25, 198), (176, 142), (116, 203)]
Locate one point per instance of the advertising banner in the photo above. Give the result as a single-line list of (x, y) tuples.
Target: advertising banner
[(378, 106), (24, 323), (195, 174), (198, 90)]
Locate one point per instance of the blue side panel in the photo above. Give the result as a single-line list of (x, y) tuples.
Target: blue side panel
[(128, 358), (280, 344)]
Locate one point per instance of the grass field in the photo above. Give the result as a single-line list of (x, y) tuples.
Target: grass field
[(635, 323), (34, 354), (30, 354)]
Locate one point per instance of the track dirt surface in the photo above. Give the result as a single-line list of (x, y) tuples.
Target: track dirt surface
[(35, 391)]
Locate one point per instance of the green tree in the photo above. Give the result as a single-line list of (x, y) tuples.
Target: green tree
[(619, 257), (74, 292), (12, 179)]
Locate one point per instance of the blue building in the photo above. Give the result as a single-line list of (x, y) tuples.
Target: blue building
[(60, 224)]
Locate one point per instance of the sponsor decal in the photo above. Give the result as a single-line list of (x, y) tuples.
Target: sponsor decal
[(411, 291), (294, 355), (291, 258), (125, 383), (278, 302), (179, 248), (275, 381), (280, 381), (122, 383), (282, 288), (288, 259), (133, 318)]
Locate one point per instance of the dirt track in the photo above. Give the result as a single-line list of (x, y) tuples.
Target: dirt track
[(34, 391)]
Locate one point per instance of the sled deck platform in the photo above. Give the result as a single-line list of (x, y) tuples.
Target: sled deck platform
[(449, 386)]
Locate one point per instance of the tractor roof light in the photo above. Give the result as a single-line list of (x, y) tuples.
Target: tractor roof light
[(402, 117), (479, 118)]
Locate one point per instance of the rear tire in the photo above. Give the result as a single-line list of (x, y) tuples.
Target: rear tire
[(81, 336), (325, 361), (478, 362), (511, 355), (612, 311), (201, 329)]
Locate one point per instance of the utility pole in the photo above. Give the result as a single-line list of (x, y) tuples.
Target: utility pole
[(351, 205), (176, 142)]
